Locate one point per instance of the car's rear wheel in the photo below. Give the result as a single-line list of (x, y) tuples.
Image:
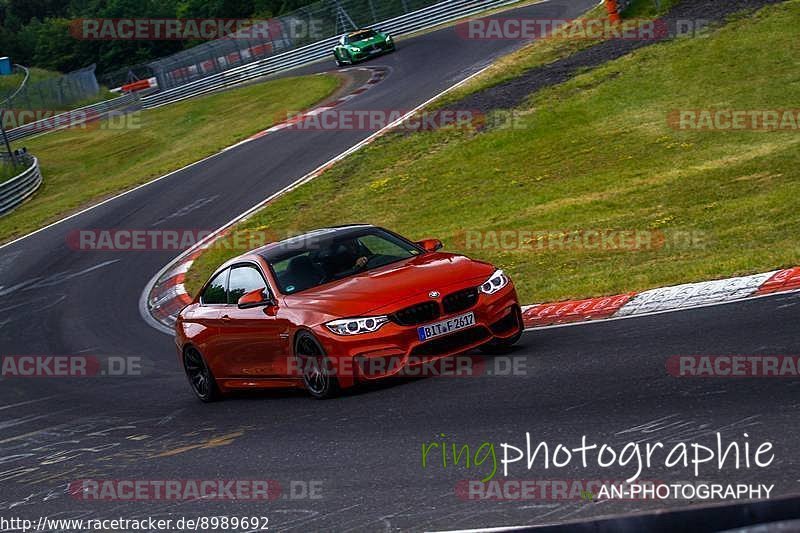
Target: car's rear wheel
[(318, 374), (200, 377)]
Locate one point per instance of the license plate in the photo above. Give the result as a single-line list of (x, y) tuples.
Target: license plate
[(446, 326)]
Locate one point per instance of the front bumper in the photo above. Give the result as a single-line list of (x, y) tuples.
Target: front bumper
[(371, 51), (394, 349)]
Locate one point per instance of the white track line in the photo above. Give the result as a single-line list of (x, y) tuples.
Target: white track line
[(129, 191), (107, 200), (143, 308)]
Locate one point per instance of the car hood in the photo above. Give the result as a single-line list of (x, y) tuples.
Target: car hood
[(378, 39), (391, 287)]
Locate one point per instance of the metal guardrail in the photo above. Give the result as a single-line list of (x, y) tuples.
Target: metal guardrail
[(22, 85), (428, 17), (74, 117), (425, 18), (15, 190)]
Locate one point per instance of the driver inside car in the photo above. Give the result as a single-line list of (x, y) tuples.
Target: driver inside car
[(347, 257)]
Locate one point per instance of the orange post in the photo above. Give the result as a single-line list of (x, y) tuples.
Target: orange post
[(613, 11)]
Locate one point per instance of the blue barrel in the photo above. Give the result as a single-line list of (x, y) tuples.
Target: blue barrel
[(5, 66)]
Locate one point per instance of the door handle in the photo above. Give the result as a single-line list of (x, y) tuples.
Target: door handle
[(225, 317)]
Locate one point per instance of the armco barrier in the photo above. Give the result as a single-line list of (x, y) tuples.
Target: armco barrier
[(14, 191), (74, 117), (428, 17), (22, 86)]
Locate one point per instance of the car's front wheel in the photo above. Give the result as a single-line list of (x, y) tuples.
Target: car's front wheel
[(318, 375), (501, 346), (200, 377), (339, 62)]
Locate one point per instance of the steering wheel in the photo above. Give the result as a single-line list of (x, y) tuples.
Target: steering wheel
[(370, 258)]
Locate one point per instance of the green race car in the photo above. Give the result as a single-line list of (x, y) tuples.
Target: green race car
[(361, 44)]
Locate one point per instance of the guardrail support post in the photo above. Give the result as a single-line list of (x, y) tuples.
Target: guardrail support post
[(5, 137), (613, 11)]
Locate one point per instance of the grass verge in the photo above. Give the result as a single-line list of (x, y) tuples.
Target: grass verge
[(82, 166), (542, 52), (10, 82), (8, 171), (41, 100), (595, 153)]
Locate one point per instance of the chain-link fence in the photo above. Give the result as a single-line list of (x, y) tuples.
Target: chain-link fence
[(56, 93), (121, 76), (317, 21)]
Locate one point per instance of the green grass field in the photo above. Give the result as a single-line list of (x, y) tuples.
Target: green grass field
[(10, 82), (546, 51), (595, 153), (82, 166), (8, 171)]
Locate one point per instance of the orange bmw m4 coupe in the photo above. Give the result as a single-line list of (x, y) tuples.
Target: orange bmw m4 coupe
[(338, 306)]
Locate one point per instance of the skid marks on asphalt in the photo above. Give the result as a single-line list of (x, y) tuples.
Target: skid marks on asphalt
[(7, 260), (50, 457), (183, 211), (53, 280), (213, 442), (35, 305), (676, 428)]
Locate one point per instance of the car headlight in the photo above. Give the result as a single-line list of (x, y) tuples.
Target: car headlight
[(357, 326), (354, 48), (496, 281)]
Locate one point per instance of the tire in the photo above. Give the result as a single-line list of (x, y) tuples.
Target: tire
[(318, 377), (200, 377), (338, 62)]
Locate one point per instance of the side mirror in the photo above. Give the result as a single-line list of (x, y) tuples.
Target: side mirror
[(431, 245), (256, 298)]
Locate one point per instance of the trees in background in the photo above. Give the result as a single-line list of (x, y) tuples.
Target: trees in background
[(36, 32)]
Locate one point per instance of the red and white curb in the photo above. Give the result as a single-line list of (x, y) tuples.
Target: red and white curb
[(165, 295), (378, 74), (169, 296), (662, 299)]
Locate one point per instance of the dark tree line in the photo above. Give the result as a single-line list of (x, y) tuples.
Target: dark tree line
[(37, 32)]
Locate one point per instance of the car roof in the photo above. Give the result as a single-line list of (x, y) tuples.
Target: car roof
[(361, 30), (276, 249)]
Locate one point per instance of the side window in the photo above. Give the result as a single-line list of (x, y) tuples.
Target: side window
[(215, 290), (244, 279)]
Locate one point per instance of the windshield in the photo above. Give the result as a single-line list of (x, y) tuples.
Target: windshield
[(361, 35), (323, 260)]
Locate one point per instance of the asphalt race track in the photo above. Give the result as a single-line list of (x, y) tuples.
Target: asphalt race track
[(362, 452)]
